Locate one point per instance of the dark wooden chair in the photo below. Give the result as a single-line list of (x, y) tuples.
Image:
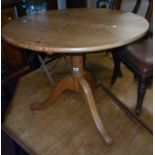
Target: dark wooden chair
[(138, 57)]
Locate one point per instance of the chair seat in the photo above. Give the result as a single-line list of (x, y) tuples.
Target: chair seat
[(139, 56)]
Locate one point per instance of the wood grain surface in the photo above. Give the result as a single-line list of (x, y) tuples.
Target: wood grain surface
[(82, 82), (66, 128), (75, 30)]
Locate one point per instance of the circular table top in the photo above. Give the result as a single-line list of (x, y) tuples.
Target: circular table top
[(75, 30)]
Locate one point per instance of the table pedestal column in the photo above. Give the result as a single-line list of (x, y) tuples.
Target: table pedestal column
[(82, 82)]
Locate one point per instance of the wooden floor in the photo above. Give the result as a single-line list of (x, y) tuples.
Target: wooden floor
[(67, 128)]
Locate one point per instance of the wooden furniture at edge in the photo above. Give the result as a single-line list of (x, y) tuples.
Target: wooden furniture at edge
[(89, 37), (138, 57), (15, 62)]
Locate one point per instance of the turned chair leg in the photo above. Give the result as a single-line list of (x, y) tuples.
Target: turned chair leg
[(142, 85), (117, 69)]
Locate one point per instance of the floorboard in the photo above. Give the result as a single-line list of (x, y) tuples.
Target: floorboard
[(67, 128)]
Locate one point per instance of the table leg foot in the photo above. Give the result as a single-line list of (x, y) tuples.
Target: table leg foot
[(79, 82), (87, 93), (63, 85)]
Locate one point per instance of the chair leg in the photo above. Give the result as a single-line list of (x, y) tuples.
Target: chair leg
[(117, 69), (142, 85), (135, 77), (43, 65)]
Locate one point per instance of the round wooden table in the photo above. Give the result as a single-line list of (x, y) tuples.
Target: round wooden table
[(76, 32)]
